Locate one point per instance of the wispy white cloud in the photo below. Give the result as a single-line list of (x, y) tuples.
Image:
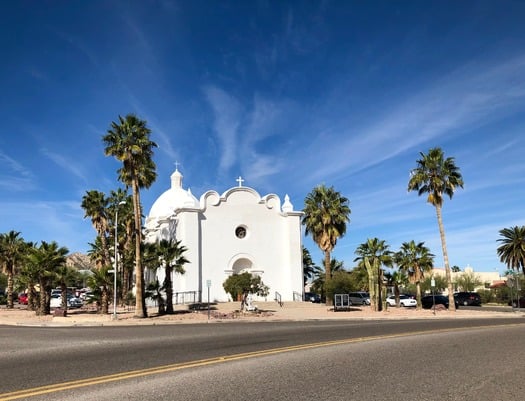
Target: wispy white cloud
[(65, 163), (15, 177), (226, 115), (465, 99)]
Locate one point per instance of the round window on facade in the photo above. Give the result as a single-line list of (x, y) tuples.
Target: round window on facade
[(240, 232)]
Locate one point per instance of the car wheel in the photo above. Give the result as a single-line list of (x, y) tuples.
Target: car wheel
[(402, 304), (465, 303)]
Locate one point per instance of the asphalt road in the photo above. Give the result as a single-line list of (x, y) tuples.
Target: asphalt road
[(418, 359)]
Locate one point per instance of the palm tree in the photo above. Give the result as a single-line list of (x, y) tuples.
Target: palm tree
[(64, 275), (101, 281), (397, 279), (129, 142), (171, 255), (308, 266), (437, 177), (326, 214), (373, 254), (12, 252), (45, 260), (415, 260), (512, 248), (126, 222), (95, 205)]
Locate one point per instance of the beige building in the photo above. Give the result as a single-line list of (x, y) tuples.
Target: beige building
[(488, 279)]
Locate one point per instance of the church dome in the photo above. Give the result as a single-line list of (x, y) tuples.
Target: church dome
[(174, 198)]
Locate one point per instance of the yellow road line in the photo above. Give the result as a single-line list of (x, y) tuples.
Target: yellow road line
[(51, 388)]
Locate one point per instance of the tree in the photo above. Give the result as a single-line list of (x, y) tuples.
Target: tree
[(437, 177), (171, 254), (308, 266), (95, 206), (326, 214), (129, 142), (65, 275), (512, 248), (45, 260), (12, 252), (239, 285), (439, 281), (415, 260), (101, 281), (396, 279), (373, 254), (468, 281)]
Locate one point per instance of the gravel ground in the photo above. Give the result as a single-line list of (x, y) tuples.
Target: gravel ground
[(224, 312)]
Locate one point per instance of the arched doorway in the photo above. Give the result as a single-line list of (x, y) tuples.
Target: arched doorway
[(242, 265)]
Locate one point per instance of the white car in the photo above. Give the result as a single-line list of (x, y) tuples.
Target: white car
[(404, 300), (72, 302)]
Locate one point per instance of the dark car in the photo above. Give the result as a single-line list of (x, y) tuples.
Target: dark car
[(428, 301), (312, 297), (467, 298)]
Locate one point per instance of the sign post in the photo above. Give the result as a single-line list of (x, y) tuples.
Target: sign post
[(208, 284), (433, 285)]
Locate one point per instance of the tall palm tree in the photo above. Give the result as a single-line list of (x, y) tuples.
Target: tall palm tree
[(125, 249), (373, 254), (171, 255), (12, 252), (129, 142), (512, 248), (326, 214), (95, 205), (45, 260), (437, 177), (415, 260)]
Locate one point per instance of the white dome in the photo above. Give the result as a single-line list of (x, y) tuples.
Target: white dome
[(174, 198)]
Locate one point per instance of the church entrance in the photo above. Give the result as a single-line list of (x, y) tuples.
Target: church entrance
[(242, 265)]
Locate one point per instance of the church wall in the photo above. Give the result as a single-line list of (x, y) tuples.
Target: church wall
[(267, 244)]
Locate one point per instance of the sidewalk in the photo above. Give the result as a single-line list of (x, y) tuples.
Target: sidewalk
[(229, 311)]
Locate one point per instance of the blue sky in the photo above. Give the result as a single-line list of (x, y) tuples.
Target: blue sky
[(288, 95)]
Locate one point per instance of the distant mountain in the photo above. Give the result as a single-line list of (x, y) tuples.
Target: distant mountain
[(79, 261)]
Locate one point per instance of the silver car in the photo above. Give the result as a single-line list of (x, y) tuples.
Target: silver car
[(359, 298)]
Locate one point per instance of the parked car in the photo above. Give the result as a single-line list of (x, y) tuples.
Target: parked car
[(467, 298), (312, 297), (427, 302), (404, 300), (359, 298), (72, 302), (22, 298)]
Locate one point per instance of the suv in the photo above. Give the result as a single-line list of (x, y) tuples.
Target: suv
[(467, 298), (359, 298)]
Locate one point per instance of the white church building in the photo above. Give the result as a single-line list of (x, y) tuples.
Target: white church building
[(233, 232)]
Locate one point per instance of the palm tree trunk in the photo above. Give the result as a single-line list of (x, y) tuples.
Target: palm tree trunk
[(328, 277), (418, 294), (168, 287), (452, 305), (140, 301), (10, 285)]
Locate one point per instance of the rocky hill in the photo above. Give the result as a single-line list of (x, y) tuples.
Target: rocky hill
[(79, 261)]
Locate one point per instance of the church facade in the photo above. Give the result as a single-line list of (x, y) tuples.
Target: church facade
[(229, 233)]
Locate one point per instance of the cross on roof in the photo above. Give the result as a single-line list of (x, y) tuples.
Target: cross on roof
[(240, 181), (177, 164)]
